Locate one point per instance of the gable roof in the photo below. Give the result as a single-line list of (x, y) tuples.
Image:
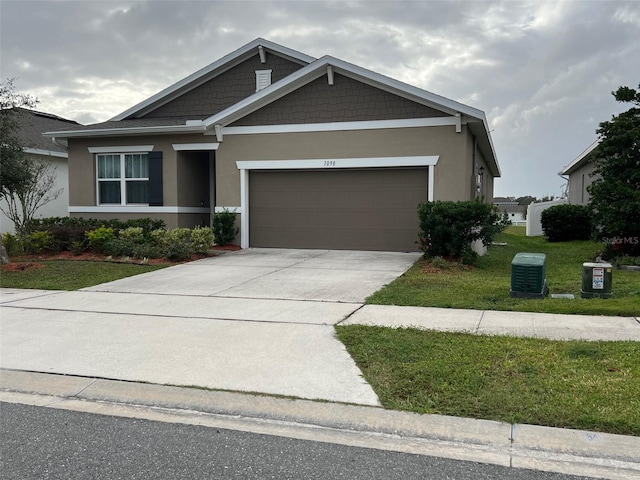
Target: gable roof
[(32, 124), (126, 123), (210, 71), (580, 160)]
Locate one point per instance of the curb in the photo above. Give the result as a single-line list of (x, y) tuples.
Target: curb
[(520, 446)]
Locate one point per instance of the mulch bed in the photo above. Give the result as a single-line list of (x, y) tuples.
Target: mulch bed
[(29, 262)]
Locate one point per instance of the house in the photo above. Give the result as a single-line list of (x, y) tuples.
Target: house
[(32, 124), (513, 209), (579, 173), (308, 152)]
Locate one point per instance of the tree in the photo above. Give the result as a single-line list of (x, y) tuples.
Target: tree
[(11, 155), (615, 193), (33, 192), (12, 175)]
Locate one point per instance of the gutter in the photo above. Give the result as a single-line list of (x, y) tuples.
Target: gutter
[(162, 130)]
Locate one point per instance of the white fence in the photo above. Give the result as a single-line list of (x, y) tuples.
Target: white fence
[(534, 211)]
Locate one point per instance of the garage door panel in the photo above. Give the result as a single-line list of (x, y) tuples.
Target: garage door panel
[(338, 209)]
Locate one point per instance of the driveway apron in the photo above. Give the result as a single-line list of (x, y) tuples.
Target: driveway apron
[(256, 320)]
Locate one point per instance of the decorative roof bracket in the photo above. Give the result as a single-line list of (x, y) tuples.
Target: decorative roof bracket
[(263, 55), (330, 74)]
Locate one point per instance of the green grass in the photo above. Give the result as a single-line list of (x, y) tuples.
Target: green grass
[(486, 287), (576, 384), (71, 275)]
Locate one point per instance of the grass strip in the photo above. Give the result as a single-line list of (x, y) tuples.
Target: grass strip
[(71, 274), (575, 384), (486, 286)]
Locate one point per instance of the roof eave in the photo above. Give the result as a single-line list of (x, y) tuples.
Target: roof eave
[(106, 132)]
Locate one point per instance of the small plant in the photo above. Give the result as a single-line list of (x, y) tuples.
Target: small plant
[(201, 239), (119, 247), (224, 229), (134, 235), (177, 252), (77, 247), (147, 250), (100, 237), (39, 242), (12, 243)]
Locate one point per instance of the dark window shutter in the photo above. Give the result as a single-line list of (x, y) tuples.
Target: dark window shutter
[(155, 179)]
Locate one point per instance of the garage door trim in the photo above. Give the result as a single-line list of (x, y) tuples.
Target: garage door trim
[(246, 166)]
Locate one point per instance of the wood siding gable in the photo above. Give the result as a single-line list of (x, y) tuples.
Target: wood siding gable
[(347, 100), (226, 89)]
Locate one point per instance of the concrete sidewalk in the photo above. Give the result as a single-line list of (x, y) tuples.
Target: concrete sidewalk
[(489, 322), (520, 446)]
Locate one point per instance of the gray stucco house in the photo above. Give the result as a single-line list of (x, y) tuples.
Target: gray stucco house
[(579, 176), (309, 152), (32, 124)]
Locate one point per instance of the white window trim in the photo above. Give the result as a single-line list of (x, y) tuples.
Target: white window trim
[(115, 208), (246, 166), (123, 180), (122, 149)]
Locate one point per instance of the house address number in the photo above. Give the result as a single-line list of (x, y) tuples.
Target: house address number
[(329, 163)]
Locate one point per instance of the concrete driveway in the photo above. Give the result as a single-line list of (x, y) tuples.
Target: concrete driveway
[(256, 320)]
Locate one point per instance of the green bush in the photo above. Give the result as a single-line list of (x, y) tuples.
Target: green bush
[(134, 235), (178, 251), (201, 239), (178, 235), (447, 229), (562, 223), (147, 250), (13, 244), (100, 237), (224, 229), (119, 247), (39, 242)]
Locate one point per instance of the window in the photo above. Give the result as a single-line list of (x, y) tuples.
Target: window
[(123, 178)]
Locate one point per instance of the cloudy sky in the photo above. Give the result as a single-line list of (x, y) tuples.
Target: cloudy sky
[(541, 71)]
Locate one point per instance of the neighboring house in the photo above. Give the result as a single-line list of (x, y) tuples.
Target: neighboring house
[(579, 173), (32, 124), (310, 153), (514, 210)]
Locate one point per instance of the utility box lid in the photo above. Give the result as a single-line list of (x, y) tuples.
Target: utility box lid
[(529, 259)]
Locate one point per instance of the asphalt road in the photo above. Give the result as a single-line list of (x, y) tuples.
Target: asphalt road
[(47, 443)]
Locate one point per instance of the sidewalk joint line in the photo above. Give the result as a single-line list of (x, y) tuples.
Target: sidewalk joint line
[(477, 329), (350, 315)]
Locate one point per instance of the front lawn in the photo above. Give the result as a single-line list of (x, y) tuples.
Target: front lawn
[(486, 286), (576, 384), (67, 274)]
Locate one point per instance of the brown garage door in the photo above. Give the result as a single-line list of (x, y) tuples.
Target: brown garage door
[(363, 209)]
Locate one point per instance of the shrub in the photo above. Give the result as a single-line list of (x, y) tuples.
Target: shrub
[(178, 235), (147, 250), (99, 238), (562, 223), (119, 247), (201, 239), (447, 229), (224, 230), (177, 251), (39, 242), (13, 244), (134, 235)]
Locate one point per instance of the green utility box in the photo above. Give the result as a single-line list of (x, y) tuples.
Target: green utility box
[(596, 280), (529, 275)]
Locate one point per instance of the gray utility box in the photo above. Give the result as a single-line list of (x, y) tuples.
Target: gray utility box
[(596, 280), (529, 275)]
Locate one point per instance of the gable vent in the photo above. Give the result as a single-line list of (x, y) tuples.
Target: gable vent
[(263, 79)]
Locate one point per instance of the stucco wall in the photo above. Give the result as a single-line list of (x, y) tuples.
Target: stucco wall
[(55, 208), (578, 183), (451, 174)]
